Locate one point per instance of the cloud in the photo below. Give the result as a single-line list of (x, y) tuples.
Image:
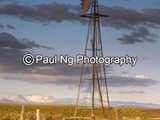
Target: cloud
[(67, 80), (31, 44), (124, 74), (42, 12), (1, 26), (140, 35), (116, 81), (137, 22), (141, 77), (11, 27), (12, 68), (8, 40), (40, 78), (12, 51), (129, 92), (120, 18)]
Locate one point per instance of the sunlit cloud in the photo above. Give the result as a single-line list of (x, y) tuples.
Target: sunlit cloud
[(141, 77)]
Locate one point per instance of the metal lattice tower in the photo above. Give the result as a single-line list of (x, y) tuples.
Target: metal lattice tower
[(94, 74)]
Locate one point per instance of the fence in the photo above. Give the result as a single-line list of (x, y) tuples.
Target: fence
[(38, 115), (116, 110)]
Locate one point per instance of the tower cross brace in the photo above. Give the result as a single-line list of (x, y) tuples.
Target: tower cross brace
[(95, 73)]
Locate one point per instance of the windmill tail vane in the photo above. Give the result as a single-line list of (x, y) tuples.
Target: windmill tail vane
[(85, 4)]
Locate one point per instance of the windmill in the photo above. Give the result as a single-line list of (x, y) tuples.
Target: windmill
[(93, 74)]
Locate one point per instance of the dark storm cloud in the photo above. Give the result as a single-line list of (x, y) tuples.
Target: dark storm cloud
[(12, 51), (11, 67), (31, 44), (8, 40), (1, 26), (68, 80), (59, 74), (126, 18), (11, 27), (11, 60), (120, 17), (43, 12), (118, 81), (142, 34)]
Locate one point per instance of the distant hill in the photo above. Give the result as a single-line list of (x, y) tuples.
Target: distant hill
[(43, 99), (134, 104)]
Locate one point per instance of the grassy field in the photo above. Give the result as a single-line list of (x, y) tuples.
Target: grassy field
[(57, 112)]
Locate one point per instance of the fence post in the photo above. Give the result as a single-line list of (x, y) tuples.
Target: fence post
[(92, 117), (38, 114), (124, 118), (117, 114), (64, 118), (138, 118), (22, 112)]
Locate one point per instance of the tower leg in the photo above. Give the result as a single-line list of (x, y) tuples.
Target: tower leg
[(92, 117)]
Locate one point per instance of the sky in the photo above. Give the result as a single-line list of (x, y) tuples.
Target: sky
[(50, 27)]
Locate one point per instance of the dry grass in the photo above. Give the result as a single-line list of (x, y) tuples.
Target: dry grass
[(57, 112)]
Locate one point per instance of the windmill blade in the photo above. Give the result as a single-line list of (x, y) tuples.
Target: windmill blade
[(86, 4)]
